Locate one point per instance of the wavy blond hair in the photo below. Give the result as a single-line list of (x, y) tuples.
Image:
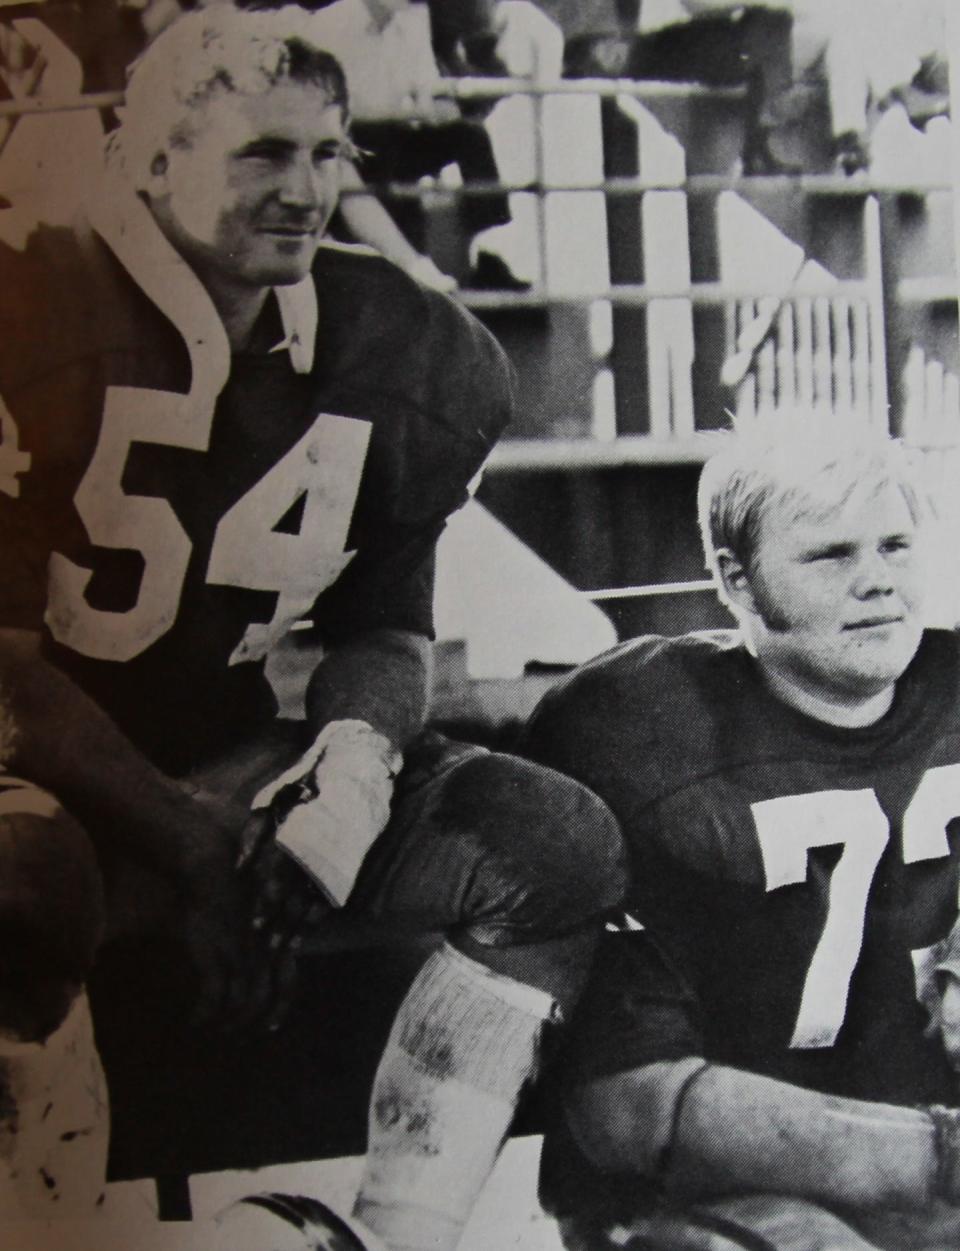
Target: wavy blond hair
[(211, 51), (814, 463)]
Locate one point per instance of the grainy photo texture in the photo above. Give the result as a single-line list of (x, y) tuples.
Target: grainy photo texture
[(479, 673)]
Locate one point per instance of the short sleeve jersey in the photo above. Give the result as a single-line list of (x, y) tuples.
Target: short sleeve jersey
[(791, 875), (168, 510)]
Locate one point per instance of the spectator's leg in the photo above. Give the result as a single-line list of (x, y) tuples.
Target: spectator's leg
[(404, 153), (467, 144), (767, 39), (393, 152), (848, 84), (369, 222), (765, 53), (517, 864)]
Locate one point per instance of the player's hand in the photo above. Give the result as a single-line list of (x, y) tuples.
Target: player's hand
[(237, 972), (286, 900), (286, 909), (287, 905)]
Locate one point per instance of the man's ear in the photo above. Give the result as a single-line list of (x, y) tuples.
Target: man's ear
[(735, 581), (156, 180)]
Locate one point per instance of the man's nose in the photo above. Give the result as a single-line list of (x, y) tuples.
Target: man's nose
[(872, 576), (301, 186)]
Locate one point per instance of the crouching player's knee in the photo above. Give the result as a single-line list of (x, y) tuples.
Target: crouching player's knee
[(549, 858), (51, 911), (53, 1105), (577, 847)]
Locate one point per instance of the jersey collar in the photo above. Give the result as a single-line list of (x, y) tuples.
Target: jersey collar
[(126, 225), (298, 312)]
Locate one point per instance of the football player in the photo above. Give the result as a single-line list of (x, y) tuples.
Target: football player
[(756, 1067), (216, 431)]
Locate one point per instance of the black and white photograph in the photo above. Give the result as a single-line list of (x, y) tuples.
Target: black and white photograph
[(479, 625)]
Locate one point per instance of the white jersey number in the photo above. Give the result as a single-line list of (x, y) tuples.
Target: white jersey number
[(790, 827), (324, 466), (323, 470)]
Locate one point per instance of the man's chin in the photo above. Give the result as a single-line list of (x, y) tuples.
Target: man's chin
[(889, 650), (285, 267), (873, 674), (285, 275)]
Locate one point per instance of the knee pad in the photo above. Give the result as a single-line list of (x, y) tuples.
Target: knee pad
[(51, 910)]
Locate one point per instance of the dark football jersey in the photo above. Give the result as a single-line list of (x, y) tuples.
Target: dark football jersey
[(168, 511), (793, 874)]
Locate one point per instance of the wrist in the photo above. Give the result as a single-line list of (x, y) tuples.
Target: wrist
[(344, 745), (350, 741), (331, 806)]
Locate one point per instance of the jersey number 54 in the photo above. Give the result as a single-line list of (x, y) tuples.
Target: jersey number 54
[(323, 469)]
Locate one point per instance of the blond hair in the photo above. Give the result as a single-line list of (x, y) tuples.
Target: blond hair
[(214, 50), (813, 464)]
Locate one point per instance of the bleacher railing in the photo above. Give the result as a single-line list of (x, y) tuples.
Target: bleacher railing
[(841, 346)]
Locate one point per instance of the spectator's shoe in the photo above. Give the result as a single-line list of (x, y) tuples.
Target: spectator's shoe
[(604, 55), (492, 273), (290, 1223), (850, 155), (759, 161), (922, 105)]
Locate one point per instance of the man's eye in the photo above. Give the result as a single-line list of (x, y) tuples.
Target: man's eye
[(261, 152), (898, 544), (837, 552), (322, 155)]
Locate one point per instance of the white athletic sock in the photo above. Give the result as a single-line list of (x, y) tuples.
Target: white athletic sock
[(464, 1043)]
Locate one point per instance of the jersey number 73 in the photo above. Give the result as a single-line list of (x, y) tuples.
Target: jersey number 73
[(790, 827)]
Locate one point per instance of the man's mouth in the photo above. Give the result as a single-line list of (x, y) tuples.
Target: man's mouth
[(873, 623), (288, 231)]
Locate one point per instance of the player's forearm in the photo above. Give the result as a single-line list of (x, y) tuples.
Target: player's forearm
[(57, 737), (381, 677), (725, 1130), (742, 1130)]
